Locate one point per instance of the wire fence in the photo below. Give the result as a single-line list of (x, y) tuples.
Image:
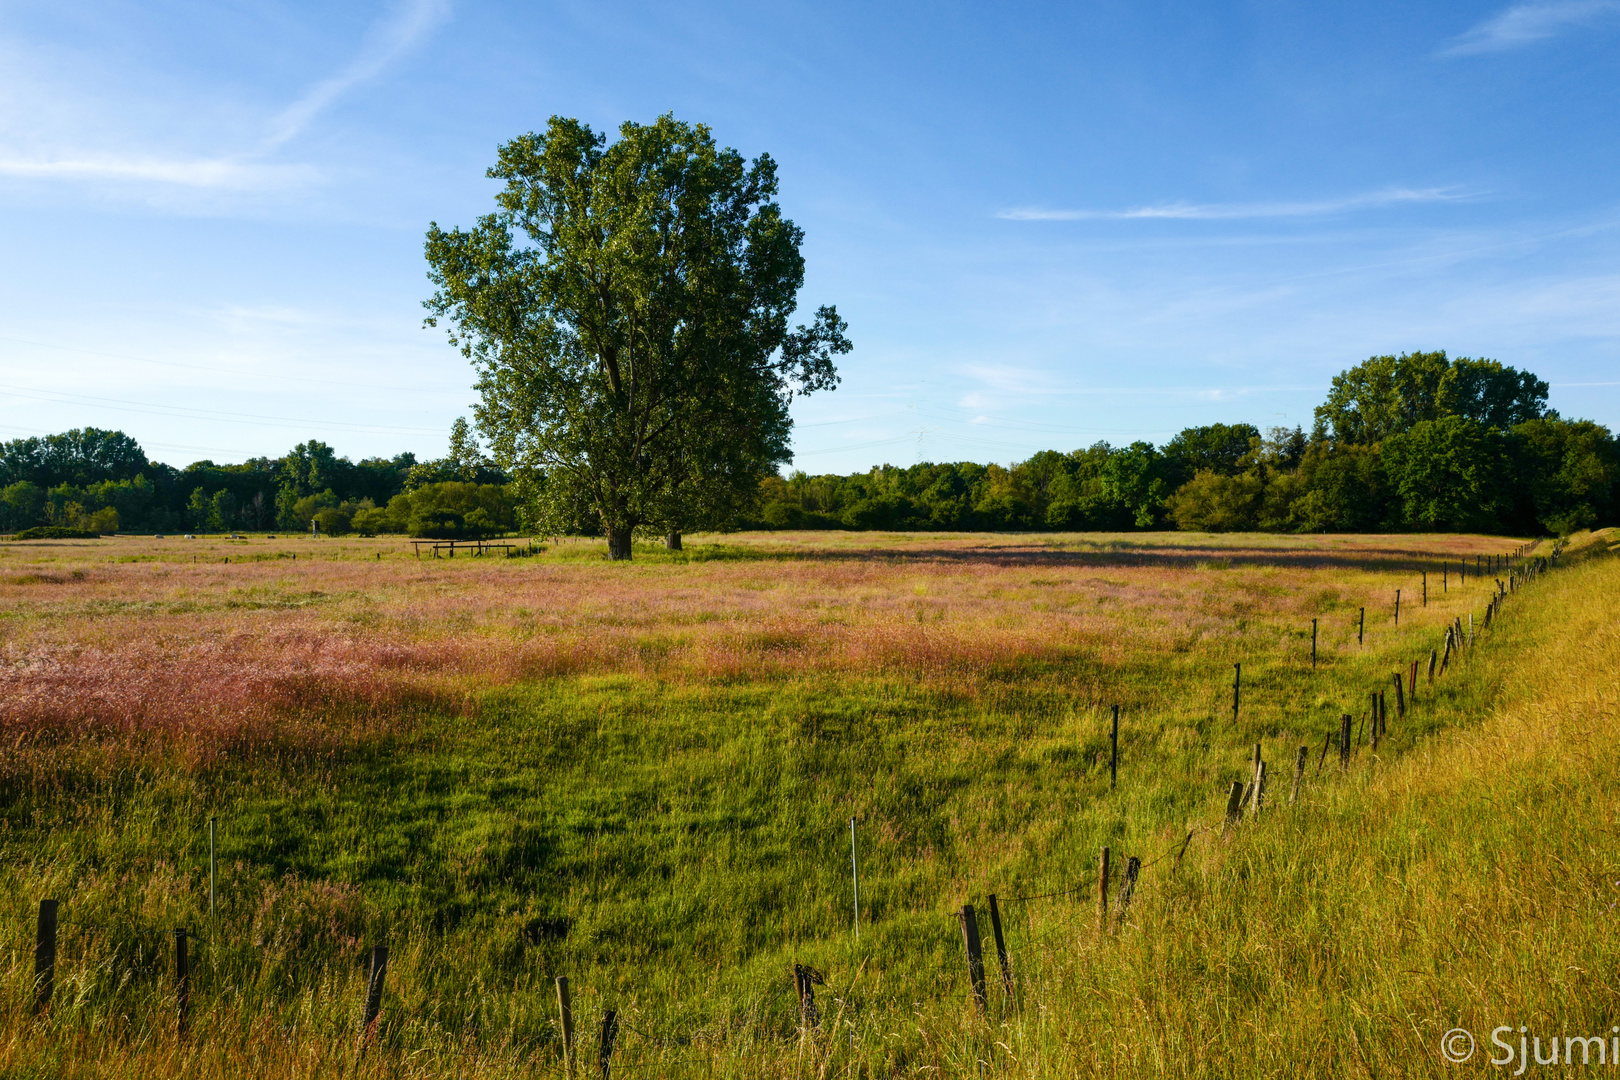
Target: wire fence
[(805, 979)]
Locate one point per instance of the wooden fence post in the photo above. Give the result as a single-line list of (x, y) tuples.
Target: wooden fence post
[(1102, 891), (182, 983), (1001, 948), (610, 1033), (1133, 866), (1434, 660), (1361, 626), (45, 956), (1400, 696), (1344, 742), (804, 983), (1313, 643), (1397, 607), (1299, 773), (1113, 752), (975, 953), (1411, 690), (1177, 864), (374, 992)]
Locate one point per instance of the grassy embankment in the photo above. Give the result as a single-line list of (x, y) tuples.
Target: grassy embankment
[(462, 759)]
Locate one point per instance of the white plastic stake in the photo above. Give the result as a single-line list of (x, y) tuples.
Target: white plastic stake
[(211, 865), (855, 877)]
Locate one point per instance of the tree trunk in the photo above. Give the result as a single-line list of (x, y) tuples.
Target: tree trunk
[(673, 541), (618, 542)]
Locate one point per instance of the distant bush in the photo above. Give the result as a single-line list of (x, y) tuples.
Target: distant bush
[(1210, 502), (437, 525), (454, 510), (333, 520), (56, 532), (373, 520), (786, 515)]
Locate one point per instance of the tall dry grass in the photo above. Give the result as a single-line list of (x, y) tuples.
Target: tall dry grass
[(1459, 879), (127, 639)]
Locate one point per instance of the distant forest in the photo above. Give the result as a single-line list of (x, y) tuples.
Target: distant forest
[(88, 480), (1416, 442)]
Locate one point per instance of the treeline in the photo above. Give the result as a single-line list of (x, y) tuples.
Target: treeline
[(89, 480), (1414, 442)]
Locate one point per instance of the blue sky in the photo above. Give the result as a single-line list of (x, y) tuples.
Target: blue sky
[(1046, 224)]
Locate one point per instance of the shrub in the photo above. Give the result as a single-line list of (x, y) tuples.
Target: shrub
[(333, 521), (1210, 502), (781, 515), (56, 532), (373, 520), (437, 525)]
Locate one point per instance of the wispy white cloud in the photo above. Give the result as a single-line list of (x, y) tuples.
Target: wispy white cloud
[(1525, 24), (386, 42), (1235, 211), (218, 173), (45, 149)]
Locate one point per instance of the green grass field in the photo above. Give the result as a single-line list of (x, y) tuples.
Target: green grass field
[(641, 776)]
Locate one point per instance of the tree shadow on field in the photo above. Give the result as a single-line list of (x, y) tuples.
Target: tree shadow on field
[(1044, 555)]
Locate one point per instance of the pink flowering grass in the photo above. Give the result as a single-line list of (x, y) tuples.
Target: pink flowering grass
[(144, 639)]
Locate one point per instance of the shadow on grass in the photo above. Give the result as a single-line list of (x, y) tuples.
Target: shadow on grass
[(1044, 552)]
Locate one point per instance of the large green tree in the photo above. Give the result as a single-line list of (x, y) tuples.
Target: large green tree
[(1388, 395), (627, 309)]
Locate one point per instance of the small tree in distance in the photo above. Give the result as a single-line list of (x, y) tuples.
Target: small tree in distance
[(627, 309)]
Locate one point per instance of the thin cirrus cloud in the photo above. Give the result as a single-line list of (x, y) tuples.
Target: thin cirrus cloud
[(1526, 24), (1184, 211), (387, 41), (219, 173)]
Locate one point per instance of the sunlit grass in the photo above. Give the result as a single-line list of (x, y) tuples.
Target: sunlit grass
[(463, 758)]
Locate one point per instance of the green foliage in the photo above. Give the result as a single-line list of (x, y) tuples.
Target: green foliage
[(1446, 474), (332, 521), (1211, 502), (78, 457), (1217, 448), (1389, 395), (1450, 454), (55, 532), (1569, 473), (627, 311)]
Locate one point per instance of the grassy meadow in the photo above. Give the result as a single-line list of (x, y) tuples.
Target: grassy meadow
[(641, 776)]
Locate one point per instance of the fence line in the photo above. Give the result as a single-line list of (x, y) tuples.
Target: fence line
[(1251, 801)]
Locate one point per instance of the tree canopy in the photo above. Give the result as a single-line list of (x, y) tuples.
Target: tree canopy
[(1389, 395), (627, 310)]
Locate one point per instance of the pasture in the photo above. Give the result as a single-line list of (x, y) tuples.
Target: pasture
[(641, 775)]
